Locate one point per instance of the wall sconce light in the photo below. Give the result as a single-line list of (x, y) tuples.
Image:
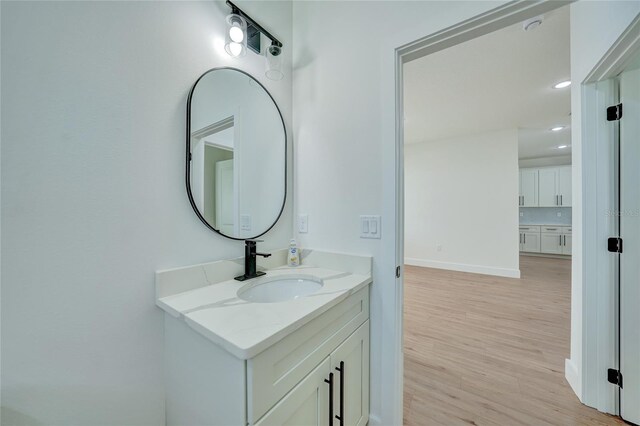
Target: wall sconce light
[(236, 38), (243, 32)]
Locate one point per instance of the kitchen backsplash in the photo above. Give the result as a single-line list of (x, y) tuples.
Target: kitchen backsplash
[(545, 216)]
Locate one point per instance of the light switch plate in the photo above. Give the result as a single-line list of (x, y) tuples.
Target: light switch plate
[(559, 214), (521, 214), (370, 226), (303, 223)]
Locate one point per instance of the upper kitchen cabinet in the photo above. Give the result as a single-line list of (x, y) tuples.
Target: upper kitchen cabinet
[(528, 195), (548, 180), (564, 186), (552, 187)]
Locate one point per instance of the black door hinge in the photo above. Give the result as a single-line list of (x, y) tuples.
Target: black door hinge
[(614, 244), (397, 272), (614, 113), (614, 376)]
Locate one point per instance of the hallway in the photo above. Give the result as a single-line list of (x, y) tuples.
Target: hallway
[(486, 350)]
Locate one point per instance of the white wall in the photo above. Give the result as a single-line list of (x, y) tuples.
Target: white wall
[(460, 212), (595, 26), (343, 163), (93, 197)]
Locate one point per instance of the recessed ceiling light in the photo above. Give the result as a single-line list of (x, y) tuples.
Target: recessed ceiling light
[(557, 129), (563, 146), (562, 84)]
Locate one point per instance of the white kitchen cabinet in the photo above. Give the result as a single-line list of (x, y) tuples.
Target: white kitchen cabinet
[(551, 243), (282, 385), (566, 244), (548, 187), (564, 186), (528, 194), (554, 187), (530, 242), (529, 238), (556, 239)]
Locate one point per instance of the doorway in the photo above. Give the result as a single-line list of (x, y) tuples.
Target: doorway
[(487, 317), (436, 43)]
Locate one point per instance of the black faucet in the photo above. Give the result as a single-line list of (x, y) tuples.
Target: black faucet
[(250, 260)]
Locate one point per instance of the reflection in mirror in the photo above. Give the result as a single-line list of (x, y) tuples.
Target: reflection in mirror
[(237, 168)]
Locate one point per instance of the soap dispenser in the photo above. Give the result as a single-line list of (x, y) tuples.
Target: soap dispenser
[(294, 256)]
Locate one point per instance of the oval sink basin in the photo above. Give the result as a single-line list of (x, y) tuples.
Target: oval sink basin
[(279, 289)]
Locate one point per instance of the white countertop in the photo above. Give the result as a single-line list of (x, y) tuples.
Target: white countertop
[(244, 328)]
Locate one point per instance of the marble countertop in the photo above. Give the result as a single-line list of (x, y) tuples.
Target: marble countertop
[(212, 308)]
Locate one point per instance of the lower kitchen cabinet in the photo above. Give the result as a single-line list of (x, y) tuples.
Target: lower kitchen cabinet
[(545, 239), (566, 244), (530, 242), (530, 239), (551, 243)]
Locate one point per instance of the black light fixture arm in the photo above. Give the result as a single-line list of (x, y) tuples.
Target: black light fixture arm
[(235, 9)]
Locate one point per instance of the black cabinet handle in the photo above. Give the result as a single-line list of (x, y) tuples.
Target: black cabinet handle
[(330, 382), (341, 416)]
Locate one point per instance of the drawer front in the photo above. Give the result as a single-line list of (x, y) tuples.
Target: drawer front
[(275, 371), (566, 230), (552, 229), (529, 228)]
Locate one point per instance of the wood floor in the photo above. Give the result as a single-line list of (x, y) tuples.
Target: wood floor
[(485, 350)]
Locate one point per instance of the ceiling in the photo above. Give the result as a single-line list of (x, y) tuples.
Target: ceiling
[(502, 80)]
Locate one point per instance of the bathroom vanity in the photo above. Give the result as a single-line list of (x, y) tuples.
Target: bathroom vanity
[(236, 355), (276, 345)]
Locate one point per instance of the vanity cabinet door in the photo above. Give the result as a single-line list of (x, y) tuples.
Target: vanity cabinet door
[(307, 404), (350, 365)]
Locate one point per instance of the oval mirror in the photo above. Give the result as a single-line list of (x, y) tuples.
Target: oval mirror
[(236, 154)]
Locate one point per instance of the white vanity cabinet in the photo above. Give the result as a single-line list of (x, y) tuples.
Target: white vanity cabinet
[(286, 383), (343, 375)]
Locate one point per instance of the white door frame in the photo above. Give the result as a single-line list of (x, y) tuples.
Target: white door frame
[(599, 305), (399, 49)]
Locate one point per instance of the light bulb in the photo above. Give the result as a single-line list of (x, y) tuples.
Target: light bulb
[(235, 49), (236, 34)]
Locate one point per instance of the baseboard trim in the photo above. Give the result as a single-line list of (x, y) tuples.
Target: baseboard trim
[(462, 267), (571, 374), (547, 255)]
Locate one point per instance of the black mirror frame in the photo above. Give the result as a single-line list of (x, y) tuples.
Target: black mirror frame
[(188, 156)]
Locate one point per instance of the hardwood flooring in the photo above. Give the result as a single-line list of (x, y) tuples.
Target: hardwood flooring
[(486, 350)]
